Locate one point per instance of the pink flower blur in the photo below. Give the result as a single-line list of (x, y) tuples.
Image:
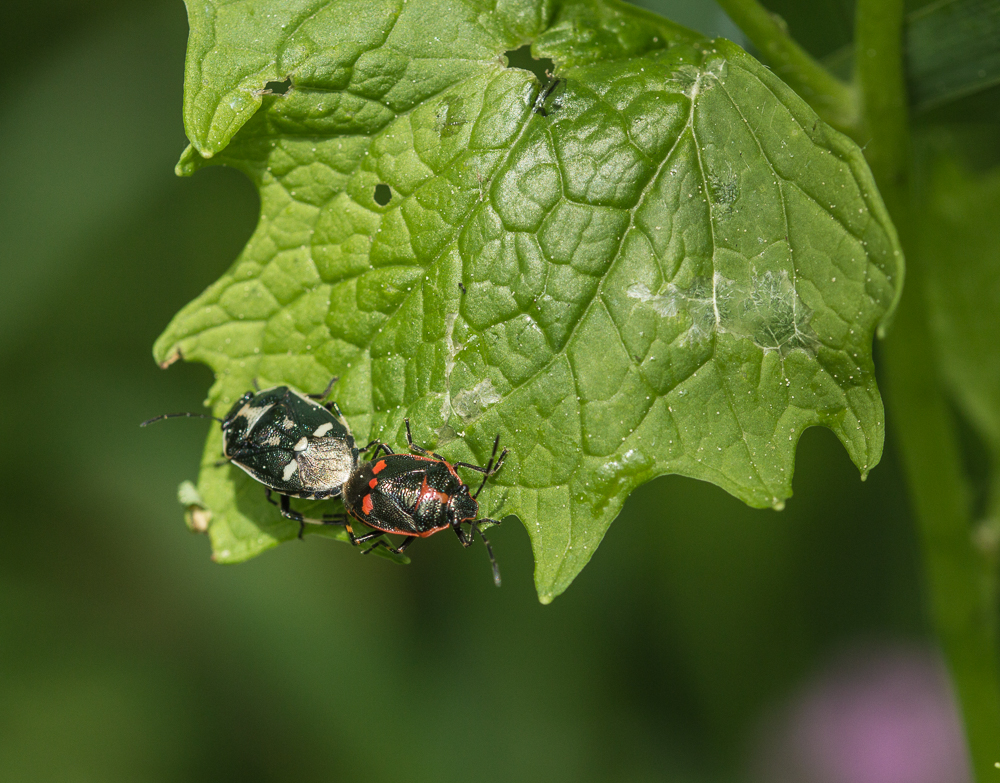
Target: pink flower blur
[(878, 715)]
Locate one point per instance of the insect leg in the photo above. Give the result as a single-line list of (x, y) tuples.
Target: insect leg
[(395, 550), (380, 541), (378, 446), (289, 513), (326, 391), (491, 468), (335, 519), (357, 540), (414, 447)]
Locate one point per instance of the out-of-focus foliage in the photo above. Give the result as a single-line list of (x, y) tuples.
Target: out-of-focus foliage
[(961, 251), (125, 654)]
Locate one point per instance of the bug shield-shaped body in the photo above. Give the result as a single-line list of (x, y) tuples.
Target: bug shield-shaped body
[(290, 443), (409, 495)]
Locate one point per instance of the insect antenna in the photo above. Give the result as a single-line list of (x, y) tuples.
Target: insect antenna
[(181, 415), (489, 550)]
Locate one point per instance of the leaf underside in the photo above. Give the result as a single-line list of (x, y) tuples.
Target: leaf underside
[(662, 263)]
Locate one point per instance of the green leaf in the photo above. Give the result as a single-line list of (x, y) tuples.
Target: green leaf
[(951, 51), (664, 264)]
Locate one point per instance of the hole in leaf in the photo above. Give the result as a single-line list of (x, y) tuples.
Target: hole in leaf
[(383, 195), (277, 88), (521, 58)]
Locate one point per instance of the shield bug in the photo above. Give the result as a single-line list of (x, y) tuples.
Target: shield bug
[(416, 495), (294, 444)]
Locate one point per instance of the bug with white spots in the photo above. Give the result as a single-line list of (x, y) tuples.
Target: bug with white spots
[(294, 444)]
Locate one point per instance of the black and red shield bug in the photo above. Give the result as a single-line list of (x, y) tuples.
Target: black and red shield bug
[(416, 495)]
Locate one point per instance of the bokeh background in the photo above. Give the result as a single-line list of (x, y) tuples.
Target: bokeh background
[(705, 642)]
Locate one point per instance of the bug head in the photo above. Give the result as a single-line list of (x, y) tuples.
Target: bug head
[(463, 506), (239, 405)]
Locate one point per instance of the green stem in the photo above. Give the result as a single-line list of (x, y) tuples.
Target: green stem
[(961, 610), (832, 99), (878, 52)]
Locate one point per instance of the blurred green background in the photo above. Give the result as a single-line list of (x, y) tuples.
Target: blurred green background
[(127, 655)]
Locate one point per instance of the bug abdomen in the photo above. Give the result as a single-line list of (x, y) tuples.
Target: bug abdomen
[(402, 494)]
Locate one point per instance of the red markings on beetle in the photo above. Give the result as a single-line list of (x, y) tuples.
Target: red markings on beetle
[(429, 495), (366, 504), (378, 466)]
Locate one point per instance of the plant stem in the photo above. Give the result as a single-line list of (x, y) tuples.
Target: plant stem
[(878, 52), (962, 612), (834, 101)]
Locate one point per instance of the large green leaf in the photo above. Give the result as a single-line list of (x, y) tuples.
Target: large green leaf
[(664, 264)]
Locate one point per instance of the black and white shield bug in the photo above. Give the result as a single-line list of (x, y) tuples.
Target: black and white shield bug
[(294, 444), (416, 495)]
